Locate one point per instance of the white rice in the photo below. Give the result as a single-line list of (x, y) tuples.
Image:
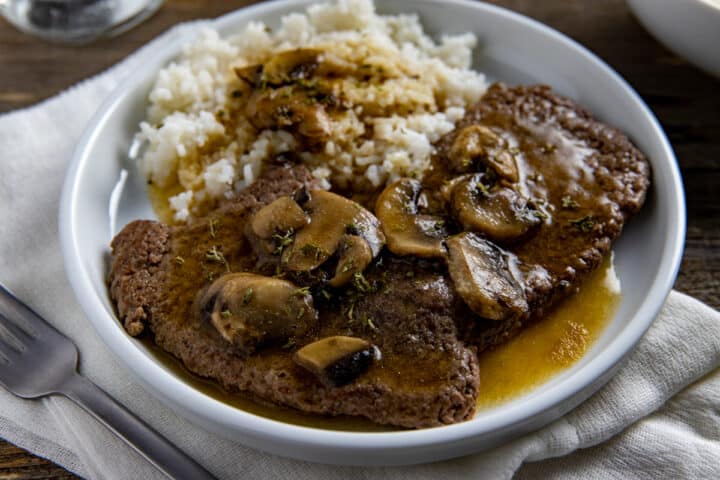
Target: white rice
[(191, 152)]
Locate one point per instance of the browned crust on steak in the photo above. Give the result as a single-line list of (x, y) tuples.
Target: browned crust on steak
[(138, 253)]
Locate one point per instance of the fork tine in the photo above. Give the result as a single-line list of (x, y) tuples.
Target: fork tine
[(33, 325), (11, 334)]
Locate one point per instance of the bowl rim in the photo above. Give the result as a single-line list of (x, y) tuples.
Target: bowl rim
[(178, 394)]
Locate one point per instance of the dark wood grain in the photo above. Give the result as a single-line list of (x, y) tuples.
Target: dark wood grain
[(685, 100)]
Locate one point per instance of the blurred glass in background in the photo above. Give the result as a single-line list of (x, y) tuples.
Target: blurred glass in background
[(77, 21)]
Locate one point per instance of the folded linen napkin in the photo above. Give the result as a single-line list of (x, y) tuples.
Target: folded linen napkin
[(658, 417)]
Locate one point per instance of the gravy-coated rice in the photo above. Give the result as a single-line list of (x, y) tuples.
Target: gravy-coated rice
[(201, 147)]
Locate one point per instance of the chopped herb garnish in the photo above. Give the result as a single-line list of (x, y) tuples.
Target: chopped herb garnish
[(352, 229), (226, 314), (569, 203), (541, 214), (284, 111), (347, 266), (361, 282), (278, 272), (370, 323), (548, 148), (215, 255), (312, 250), (212, 224), (325, 294), (302, 291), (179, 260), (282, 241), (482, 189), (306, 84), (351, 309), (584, 224), (247, 296), (289, 344)]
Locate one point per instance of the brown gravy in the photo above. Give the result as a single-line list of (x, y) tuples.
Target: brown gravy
[(509, 371), (551, 345)]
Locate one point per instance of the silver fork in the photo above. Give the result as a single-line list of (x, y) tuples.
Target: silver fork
[(36, 360)]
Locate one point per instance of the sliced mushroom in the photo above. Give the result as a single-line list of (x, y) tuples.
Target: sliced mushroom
[(336, 361), (291, 65), (332, 217), (281, 215), (284, 97), (283, 68), (354, 256), (481, 275), (287, 107), (251, 74), (250, 310), (408, 232), (500, 213), (479, 143)]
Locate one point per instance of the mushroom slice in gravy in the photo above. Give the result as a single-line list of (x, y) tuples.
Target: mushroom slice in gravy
[(499, 213), (354, 256), (288, 107), (482, 277), (409, 232), (478, 143), (281, 69), (285, 94), (250, 310), (337, 360), (291, 65), (281, 216), (333, 219)]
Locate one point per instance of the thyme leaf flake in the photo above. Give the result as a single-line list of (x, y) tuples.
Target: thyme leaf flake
[(584, 224)]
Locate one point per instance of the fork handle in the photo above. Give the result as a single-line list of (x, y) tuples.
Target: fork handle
[(136, 433)]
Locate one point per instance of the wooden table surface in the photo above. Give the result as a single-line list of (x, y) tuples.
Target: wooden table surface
[(686, 101)]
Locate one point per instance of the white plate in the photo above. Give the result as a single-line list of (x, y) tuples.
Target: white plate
[(512, 48), (690, 28)]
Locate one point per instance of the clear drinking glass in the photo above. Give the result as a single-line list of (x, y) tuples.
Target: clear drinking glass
[(76, 21)]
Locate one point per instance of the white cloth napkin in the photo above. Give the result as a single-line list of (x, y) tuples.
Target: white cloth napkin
[(658, 417)]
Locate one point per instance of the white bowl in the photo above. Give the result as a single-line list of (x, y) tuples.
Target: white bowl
[(513, 48), (690, 28)]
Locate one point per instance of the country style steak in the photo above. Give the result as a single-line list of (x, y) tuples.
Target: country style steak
[(582, 179), (308, 299), (427, 377)]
